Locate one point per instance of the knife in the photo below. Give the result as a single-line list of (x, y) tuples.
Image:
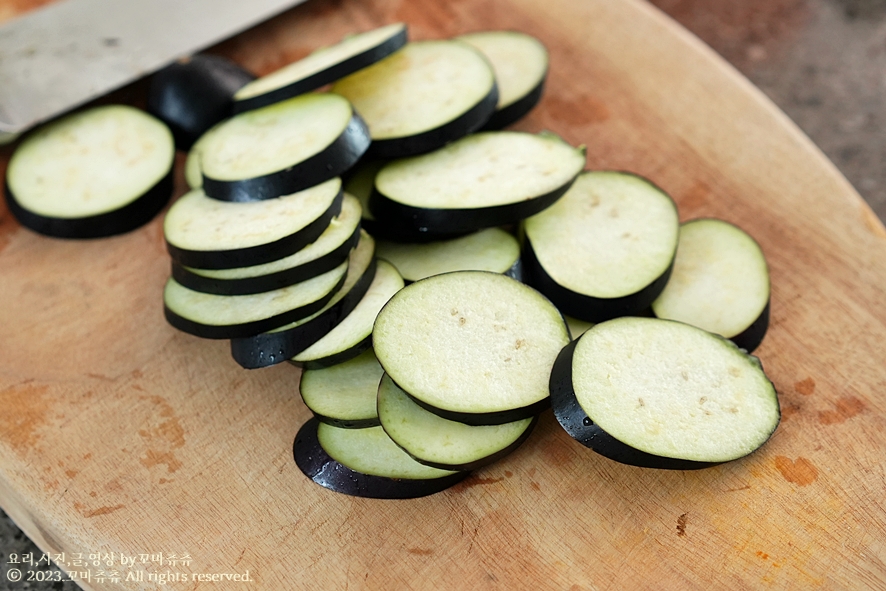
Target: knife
[(70, 52)]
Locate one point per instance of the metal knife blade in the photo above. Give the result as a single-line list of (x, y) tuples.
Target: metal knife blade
[(73, 51)]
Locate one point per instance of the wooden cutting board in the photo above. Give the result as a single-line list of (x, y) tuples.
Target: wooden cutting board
[(118, 434)]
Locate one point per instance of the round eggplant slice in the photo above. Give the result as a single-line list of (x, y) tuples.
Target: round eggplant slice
[(283, 343), (226, 317), (487, 179), (324, 254), (491, 250), (95, 173), (605, 249), (662, 394), (282, 149), (353, 334), (194, 93), (344, 395), (381, 469), (321, 67), (720, 283), (210, 234), (441, 443), (422, 97), (471, 346), (520, 63)]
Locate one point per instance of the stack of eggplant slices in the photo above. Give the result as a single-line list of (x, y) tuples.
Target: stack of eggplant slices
[(442, 281)]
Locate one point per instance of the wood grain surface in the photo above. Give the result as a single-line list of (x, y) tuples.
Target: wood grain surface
[(119, 434)]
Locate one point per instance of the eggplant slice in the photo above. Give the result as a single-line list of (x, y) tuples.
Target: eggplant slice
[(520, 63), (321, 67), (285, 342), (422, 97), (492, 249), (211, 234), (365, 463), (662, 394), (353, 334), (324, 254), (720, 283), (95, 173), (193, 94), (282, 149), (441, 443), (487, 179), (344, 395), (605, 249), (471, 346)]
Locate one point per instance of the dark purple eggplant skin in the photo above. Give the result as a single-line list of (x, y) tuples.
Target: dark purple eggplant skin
[(248, 329), (751, 337), (585, 307), (483, 462), (339, 156), (259, 254), (129, 217), (485, 418), (193, 94), (468, 122), (347, 424), (316, 464), (270, 348), (441, 224), (324, 77), (344, 355), (516, 110), (270, 282), (580, 427)]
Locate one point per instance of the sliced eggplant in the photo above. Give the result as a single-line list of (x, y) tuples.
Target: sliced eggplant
[(282, 149), (720, 283), (344, 395), (662, 394), (353, 334), (481, 181), (471, 346), (520, 63), (365, 463), (194, 93), (193, 171), (324, 254), (359, 182), (441, 443), (321, 67), (491, 249), (226, 317), (211, 234), (283, 343), (422, 97), (606, 249), (95, 173)]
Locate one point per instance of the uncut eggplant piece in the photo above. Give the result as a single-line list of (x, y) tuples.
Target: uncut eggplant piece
[(520, 63), (321, 67), (285, 342), (502, 335), (485, 180), (492, 249), (282, 149), (344, 395), (662, 394), (214, 316), (211, 234), (606, 249), (324, 254), (91, 174), (379, 469), (353, 334), (194, 93), (441, 443), (422, 97), (720, 283)]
